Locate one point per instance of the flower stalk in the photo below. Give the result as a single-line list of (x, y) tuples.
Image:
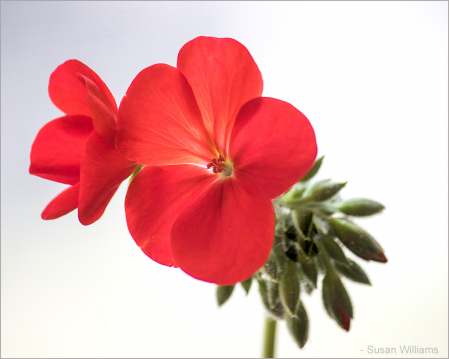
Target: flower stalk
[(269, 337)]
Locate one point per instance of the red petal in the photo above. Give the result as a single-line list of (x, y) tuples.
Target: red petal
[(159, 121), (223, 76), (63, 203), (272, 146), (69, 94), (58, 148), (104, 114), (154, 200), (225, 236), (103, 169)]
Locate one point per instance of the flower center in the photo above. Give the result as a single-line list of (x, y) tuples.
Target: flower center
[(220, 166)]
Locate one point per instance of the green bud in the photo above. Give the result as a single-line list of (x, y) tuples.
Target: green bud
[(307, 286), (270, 268), (323, 207), (247, 284), (268, 295), (298, 325), (360, 207), (309, 269), (357, 240), (353, 271), (292, 251), (301, 219), (323, 190), (290, 231), (333, 249), (313, 171), (289, 288), (336, 300), (263, 290), (321, 225), (309, 247), (318, 261), (224, 293), (279, 254), (273, 294), (295, 192)]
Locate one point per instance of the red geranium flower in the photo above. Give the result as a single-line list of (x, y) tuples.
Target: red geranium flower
[(216, 154), (79, 149)]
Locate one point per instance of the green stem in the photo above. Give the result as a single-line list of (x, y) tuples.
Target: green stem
[(270, 335)]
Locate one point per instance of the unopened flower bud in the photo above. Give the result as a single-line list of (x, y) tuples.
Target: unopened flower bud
[(247, 284), (290, 231), (336, 300), (323, 207), (301, 219), (268, 294), (333, 249), (320, 224), (273, 294), (309, 247), (319, 265), (295, 192), (360, 207), (353, 271), (324, 190), (309, 269), (289, 288), (292, 250), (278, 252), (298, 325), (270, 268), (224, 293), (313, 171), (357, 240)]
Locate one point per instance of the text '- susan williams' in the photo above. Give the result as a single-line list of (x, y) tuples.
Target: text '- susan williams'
[(403, 349)]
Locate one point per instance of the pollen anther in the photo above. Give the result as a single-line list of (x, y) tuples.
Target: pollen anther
[(217, 164)]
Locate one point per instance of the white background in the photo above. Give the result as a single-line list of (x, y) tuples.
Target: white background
[(372, 77)]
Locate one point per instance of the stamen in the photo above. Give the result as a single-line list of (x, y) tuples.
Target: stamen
[(217, 164)]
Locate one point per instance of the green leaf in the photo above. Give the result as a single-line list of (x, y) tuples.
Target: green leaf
[(224, 293), (357, 240), (313, 171), (353, 271), (360, 207)]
